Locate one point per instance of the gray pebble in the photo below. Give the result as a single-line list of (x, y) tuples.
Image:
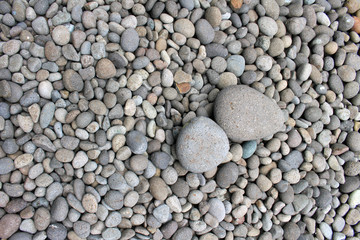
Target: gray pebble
[(114, 199), (59, 209), (6, 165), (204, 31), (227, 175), (160, 159), (56, 231), (129, 40), (137, 142)]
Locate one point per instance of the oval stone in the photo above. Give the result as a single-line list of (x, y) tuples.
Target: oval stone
[(246, 114)]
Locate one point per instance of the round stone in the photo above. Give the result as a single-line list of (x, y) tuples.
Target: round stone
[(61, 35), (267, 26), (6, 165), (59, 209), (105, 69), (227, 175), (114, 199), (56, 231), (89, 203), (160, 159), (217, 209), (291, 231), (213, 15), (137, 142), (185, 27), (201, 145), (72, 81), (111, 234), (353, 141), (158, 188), (236, 65), (138, 163)]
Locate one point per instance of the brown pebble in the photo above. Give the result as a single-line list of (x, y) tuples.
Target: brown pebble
[(356, 26), (9, 224), (183, 87), (158, 188), (236, 4), (105, 69)]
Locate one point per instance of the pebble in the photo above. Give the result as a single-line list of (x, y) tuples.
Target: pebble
[(56, 231), (61, 35), (201, 133), (10, 223), (129, 40), (158, 188), (136, 141), (352, 141), (227, 175), (324, 198), (213, 15), (40, 26), (111, 233), (204, 31), (253, 191), (114, 199), (160, 159), (161, 213), (59, 209), (185, 27), (105, 69), (249, 149), (267, 26), (11, 47), (72, 81), (236, 65), (6, 165)]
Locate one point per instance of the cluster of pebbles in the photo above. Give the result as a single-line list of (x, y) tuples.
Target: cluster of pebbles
[(189, 119)]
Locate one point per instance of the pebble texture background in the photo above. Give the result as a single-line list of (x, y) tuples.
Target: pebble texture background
[(97, 96)]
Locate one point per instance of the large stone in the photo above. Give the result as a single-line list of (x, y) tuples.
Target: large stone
[(246, 114), (201, 145)]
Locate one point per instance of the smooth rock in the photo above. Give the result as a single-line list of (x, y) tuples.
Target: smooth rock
[(245, 114), (201, 145)]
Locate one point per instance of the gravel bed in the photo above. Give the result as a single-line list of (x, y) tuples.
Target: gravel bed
[(188, 119)]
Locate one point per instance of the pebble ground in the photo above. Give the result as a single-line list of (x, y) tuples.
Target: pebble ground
[(94, 94)]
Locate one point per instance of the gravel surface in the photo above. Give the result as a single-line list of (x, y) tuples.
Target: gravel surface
[(189, 119)]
